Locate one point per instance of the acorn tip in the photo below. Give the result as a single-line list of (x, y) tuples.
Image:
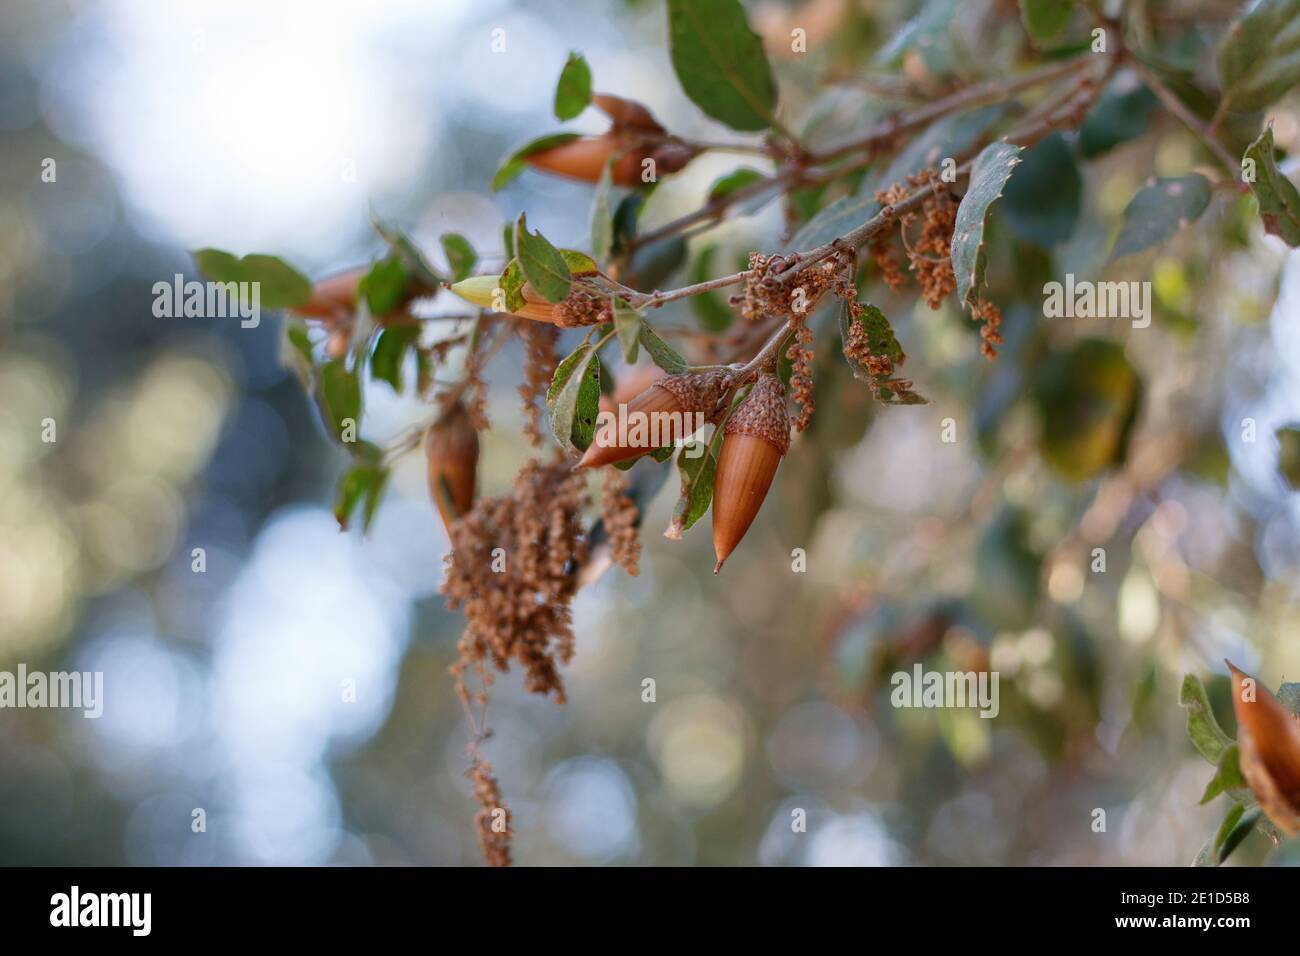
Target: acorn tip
[(718, 567)]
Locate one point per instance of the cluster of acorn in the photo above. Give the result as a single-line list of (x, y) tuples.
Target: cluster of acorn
[(756, 435)]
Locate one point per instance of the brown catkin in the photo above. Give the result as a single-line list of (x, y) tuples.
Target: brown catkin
[(990, 337), (621, 515), (539, 365), (801, 376), (769, 294), (492, 821)]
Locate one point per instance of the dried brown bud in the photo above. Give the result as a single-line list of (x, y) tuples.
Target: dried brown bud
[(755, 439), (661, 415), (1269, 740), (451, 448)]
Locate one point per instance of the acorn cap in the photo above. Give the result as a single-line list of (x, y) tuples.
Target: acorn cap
[(451, 449), (1268, 737), (755, 439), (683, 394)]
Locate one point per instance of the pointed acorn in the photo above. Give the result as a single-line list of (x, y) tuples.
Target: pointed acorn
[(585, 159), (1268, 737), (334, 297), (755, 439), (580, 309), (451, 449), (666, 410), (626, 114)]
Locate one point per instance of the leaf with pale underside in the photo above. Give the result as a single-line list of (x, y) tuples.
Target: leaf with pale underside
[(989, 174), (543, 265), (1259, 57), (1159, 210), (1279, 201)]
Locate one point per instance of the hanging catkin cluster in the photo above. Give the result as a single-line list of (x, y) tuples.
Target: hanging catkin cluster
[(511, 570), (621, 515), (539, 364), (769, 293)]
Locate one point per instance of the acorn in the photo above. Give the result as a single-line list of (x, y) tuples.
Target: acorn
[(334, 297), (754, 440), (629, 385), (679, 396), (626, 114), (585, 159), (578, 310), (451, 449), (1268, 737)]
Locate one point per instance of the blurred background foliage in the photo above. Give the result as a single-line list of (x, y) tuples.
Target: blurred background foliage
[(270, 127)]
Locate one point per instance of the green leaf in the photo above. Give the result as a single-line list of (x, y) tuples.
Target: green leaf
[(1159, 210), (1205, 733), (698, 468), (627, 322), (661, 353), (573, 399), (737, 179), (1116, 118), (1279, 202), (295, 351), (883, 342), (720, 62), (384, 286), (1228, 777), (711, 310), (1045, 19), (366, 482), (280, 286), (460, 255), (602, 218), (426, 278), (989, 174), (340, 396), (573, 91), (390, 350), (508, 240), (1238, 832), (1041, 203), (1259, 58), (1288, 463), (512, 285), (542, 264), (579, 263), (1087, 396), (514, 164)]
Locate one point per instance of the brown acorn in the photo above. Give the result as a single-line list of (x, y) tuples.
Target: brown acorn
[(754, 440), (585, 159), (451, 448), (333, 297), (629, 385), (626, 114), (679, 396), (1268, 737)]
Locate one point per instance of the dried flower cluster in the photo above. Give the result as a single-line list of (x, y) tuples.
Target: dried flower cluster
[(511, 571), (621, 515), (930, 257), (580, 309), (990, 337), (801, 375), (493, 837), (768, 293), (539, 364)]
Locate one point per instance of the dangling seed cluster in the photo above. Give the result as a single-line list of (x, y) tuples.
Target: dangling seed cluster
[(990, 337), (516, 601), (539, 365), (494, 844), (801, 376), (620, 515)]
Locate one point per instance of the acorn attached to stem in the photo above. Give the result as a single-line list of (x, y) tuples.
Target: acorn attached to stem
[(451, 449), (663, 414), (1268, 737), (755, 439), (578, 310)]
